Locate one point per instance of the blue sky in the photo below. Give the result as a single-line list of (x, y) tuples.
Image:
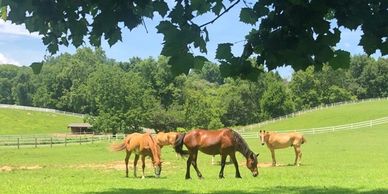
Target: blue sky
[(18, 46)]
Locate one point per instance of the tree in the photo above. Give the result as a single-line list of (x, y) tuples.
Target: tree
[(276, 100), (293, 32)]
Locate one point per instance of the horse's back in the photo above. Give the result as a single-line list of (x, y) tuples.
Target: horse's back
[(209, 141), (283, 140)]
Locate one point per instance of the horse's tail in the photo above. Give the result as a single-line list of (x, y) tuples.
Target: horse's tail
[(303, 140), (178, 145), (121, 146), (118, 147)]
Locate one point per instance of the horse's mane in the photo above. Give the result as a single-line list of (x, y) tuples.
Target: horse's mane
[(240, 144), (155, 144)]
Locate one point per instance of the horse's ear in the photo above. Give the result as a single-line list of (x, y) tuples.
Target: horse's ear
[(260, 131)]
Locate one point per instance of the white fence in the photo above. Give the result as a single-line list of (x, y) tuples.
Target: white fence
[(319, 130), (242, 130), (10, 106)]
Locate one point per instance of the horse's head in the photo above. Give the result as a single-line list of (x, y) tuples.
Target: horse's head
[(262, 136), (252, 164), (158, 168)]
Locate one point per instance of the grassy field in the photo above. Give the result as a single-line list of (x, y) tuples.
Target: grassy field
[(33, 122), (342, 162), (337, 115)]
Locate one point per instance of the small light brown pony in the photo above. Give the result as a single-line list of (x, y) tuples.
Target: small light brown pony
[(144, 145), (164, 139), (223, 141), (283, 140)]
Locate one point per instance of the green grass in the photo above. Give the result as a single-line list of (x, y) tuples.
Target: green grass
[(33, 122), (342, 162), (337, 115)]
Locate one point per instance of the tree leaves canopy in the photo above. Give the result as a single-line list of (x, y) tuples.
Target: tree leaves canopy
[(284, 32)]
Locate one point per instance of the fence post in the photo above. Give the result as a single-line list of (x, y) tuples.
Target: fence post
[(18, 143), (80, 140), (65, 140), (92, 138), (51, 142), (370, 124), (313, 131), (36, 142)]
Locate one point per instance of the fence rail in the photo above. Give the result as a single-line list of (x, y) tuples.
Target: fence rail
[(42, 140), (328, 129), (10, 106), (307, 111)]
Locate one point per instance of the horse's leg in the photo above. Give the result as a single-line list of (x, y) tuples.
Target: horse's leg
[(213, 160), (233, 158), (194, 163), (273, 156), (298, 154), (135, 164), (126, 162), (223, 160), (143, 165), (188, 164)]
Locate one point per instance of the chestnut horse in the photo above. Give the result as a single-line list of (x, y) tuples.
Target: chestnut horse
[(223, 141), (282, 140), (163, 138), (143, 145)]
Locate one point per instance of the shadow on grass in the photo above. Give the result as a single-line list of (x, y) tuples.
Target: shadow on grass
[(303, 190)]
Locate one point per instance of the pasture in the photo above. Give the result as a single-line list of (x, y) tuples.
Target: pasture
[(337, 115), (342, 162), (33, 122)]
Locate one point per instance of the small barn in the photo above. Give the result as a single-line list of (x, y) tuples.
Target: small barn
[(78, 128)]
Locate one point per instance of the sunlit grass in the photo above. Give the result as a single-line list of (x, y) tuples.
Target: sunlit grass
[(341, 162)]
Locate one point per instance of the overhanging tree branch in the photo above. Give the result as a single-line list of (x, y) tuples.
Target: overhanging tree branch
[(216, 18)]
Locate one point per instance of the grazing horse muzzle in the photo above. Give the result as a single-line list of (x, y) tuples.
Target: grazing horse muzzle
[(255, 173), (158, 170), (262, 144)]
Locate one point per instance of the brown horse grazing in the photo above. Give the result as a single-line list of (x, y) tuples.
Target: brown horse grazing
[(163, 138), (282, 140), (223, 141), (144, 145)]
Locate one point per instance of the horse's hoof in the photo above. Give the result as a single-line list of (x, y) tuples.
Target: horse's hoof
[(239, 177), (201, 177), (187, 178), (222, 177)]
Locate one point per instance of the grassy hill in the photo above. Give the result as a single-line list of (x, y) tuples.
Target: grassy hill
[(33, 122), (337, 115)]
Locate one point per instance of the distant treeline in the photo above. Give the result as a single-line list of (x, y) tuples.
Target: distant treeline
[(124, 96)]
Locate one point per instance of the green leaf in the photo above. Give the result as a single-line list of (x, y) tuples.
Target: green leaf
[(36, 67), (3, 11), (114, 37), (201, 6), (224, 51), (181, 64), (369, 42), (341, 59), (217, 7), (247, 15), (384, 48), (199, 61), (161, 7)]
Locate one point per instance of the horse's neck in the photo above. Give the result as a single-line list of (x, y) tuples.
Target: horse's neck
[(155, 152)]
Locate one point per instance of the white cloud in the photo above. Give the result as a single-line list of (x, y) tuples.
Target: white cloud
[(7, 60), (7, 27)]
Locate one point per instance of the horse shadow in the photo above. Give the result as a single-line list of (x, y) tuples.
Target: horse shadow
[(280, 189)]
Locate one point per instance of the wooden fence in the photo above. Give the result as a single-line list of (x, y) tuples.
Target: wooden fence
[(18, 141)]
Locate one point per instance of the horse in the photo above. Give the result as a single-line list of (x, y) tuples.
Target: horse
[(163, 138), (282, 140), (223, 141), (143, 145)]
